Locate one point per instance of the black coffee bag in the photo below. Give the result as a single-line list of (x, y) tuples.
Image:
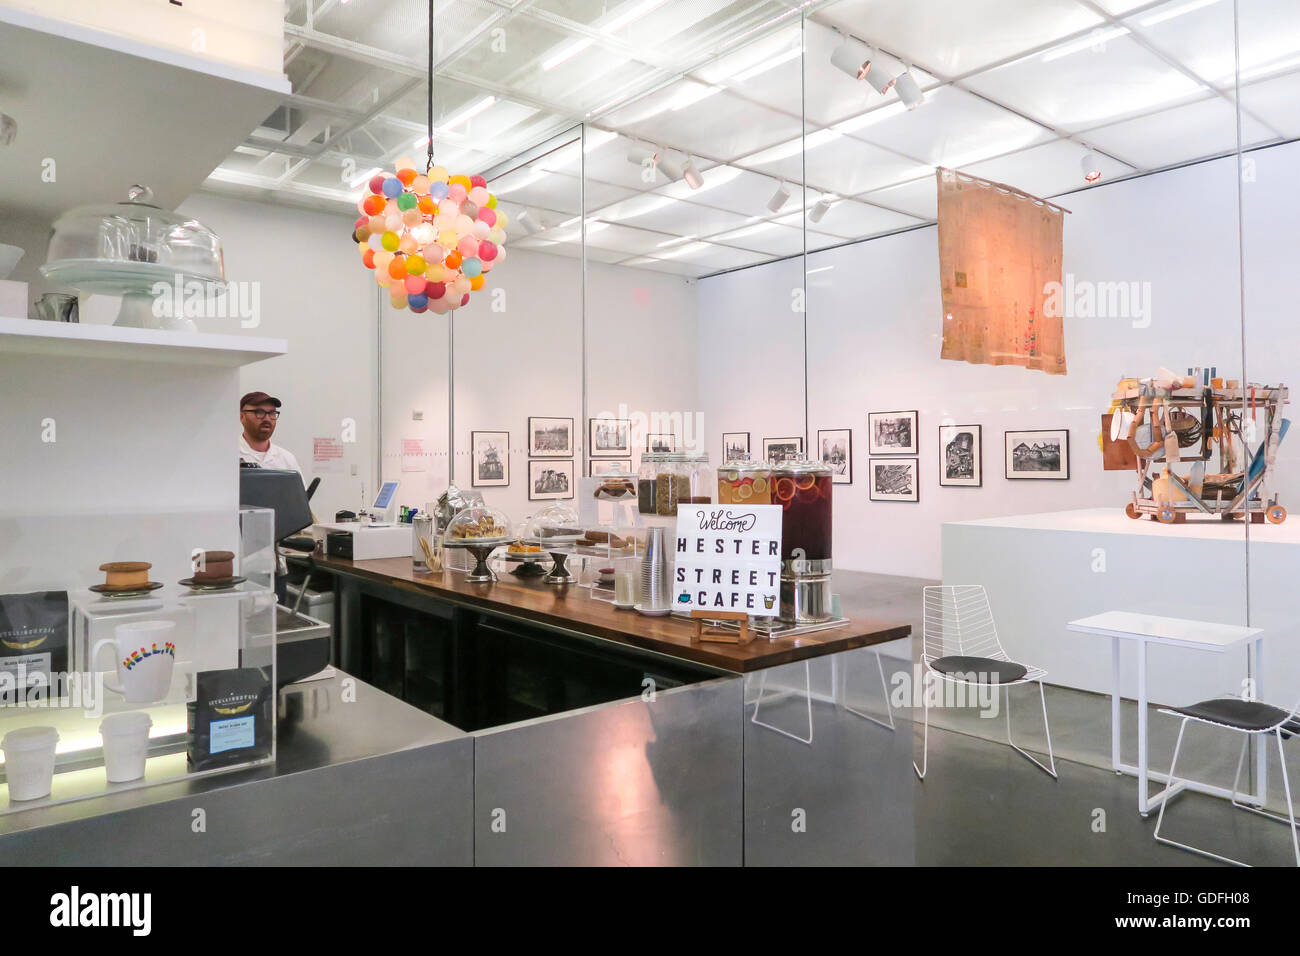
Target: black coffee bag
[(33, 644), (229, 721)]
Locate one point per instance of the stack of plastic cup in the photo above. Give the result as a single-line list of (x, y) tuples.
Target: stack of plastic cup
[(29, 761)]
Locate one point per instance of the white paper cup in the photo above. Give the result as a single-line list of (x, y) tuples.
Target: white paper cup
[(126, 743), (29, 761)]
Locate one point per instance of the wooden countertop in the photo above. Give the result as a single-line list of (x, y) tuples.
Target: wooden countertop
[(571, 608)]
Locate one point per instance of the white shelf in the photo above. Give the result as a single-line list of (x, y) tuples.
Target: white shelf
[(73, 340)]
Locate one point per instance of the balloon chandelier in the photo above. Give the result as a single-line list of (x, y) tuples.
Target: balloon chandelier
[(430, 238)]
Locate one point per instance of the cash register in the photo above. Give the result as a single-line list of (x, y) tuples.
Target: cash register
[(373, 535)]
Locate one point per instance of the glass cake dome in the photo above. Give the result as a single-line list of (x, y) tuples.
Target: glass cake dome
[(555, 523), (127, 248), (477, 524)]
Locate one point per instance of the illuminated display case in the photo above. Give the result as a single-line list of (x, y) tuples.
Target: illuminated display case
[(106, 691)]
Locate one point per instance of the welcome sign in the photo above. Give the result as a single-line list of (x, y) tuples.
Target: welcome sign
[(728, 559)]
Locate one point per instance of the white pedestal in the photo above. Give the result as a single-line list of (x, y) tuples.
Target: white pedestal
[(1043, 570)]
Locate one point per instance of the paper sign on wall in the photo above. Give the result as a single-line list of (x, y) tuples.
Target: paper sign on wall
[(413, 455), (326, 456), (728, 559)]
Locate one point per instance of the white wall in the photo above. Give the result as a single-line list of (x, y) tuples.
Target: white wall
[(525, 360), (873, 344), (315, 294)]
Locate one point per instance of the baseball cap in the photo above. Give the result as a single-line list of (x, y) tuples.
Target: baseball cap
[(258, 398)]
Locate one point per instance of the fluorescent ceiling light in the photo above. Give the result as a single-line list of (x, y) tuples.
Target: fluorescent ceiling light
[(635, 11), (683, 250), (719, 176), (870, 118), (770, 63), (566, 53), (792, 147), (821, 269), (468, 112), (1177, 11), (1083, 43), (693, 96), (744, 231), (518, 180), (596, 138), (676, 241), (637, 206), (364, 177)]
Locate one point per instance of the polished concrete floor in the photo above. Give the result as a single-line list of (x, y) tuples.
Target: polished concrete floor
[(851, 796)]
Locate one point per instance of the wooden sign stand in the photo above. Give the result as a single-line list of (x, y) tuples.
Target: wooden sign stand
[(714, 635)]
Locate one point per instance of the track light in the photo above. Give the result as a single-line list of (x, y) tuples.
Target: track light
[(1091, 165), (640, 156), (820, 210), (852, 57), (692, 174), (668, 168), (780, 197), (909, 91)]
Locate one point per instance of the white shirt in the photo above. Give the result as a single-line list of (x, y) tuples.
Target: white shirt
[(274, 457)]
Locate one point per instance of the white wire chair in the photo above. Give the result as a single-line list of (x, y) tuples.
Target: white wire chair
[(1249, 718), (961, 646)]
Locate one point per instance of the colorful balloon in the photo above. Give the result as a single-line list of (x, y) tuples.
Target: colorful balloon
[(392, 187)]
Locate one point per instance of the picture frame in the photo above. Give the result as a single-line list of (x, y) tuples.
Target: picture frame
[(1037, 454), (549, 479), (660, 443), (893, 433), (603, 466), (735, 445), (782, 449), (961, 456), (893, 479), (550, 437), (835, 449), (609, 438), (490, 459)]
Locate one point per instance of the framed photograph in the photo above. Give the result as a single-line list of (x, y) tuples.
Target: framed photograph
[(1042, 453), (961, 456), (735, 445), (610, 436), (782, 449), (835, 446), (548, 480), (597, 468), (891, 433), (660, 442), (893, 479), (491, 459), (550, 437)]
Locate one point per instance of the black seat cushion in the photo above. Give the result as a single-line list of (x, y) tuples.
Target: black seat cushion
[(981, 670), (1242, 714)]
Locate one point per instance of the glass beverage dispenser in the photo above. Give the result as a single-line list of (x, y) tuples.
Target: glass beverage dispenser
[(803, 490)]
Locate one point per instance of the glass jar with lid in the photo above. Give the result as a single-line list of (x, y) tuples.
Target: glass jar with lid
[(645, 481), (703, 479), (672, 482), (741, 481)]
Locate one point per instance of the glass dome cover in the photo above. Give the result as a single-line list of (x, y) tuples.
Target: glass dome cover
[(554, 523), (477, 524), (134, 236), (615, 485)]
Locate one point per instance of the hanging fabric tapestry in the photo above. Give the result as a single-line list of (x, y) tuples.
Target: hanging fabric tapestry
[(999, 260)]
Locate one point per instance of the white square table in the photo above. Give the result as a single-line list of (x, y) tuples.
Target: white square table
[(1148, 629)]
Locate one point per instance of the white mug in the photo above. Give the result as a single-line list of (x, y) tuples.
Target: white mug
[(144, 657)]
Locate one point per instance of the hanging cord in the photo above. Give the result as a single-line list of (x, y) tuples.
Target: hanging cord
[(429, 158)]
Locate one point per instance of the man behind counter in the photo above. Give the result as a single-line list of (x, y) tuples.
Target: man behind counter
[(259, 412)]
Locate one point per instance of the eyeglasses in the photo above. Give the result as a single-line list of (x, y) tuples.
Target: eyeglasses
[(261, 413)]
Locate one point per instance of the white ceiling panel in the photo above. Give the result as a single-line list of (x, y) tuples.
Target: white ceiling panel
[(1274, 101), (671, 266), (682, 218), (917, 198), (1077, 86), (625, 239), (766, 237), (843, 165), (954, 38), (721, 127), (1199, 34), (557, 191), (954, 128), (1162, 139), (1046, 170), (847, 219)]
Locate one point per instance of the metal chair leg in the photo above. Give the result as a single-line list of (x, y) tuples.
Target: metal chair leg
[(807, 676), (1171, 783), (1290, 809), (925, 734), (884, 687), (1050, 756)]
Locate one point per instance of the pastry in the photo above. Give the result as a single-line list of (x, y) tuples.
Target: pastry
[(214, 566), (125, 575)]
